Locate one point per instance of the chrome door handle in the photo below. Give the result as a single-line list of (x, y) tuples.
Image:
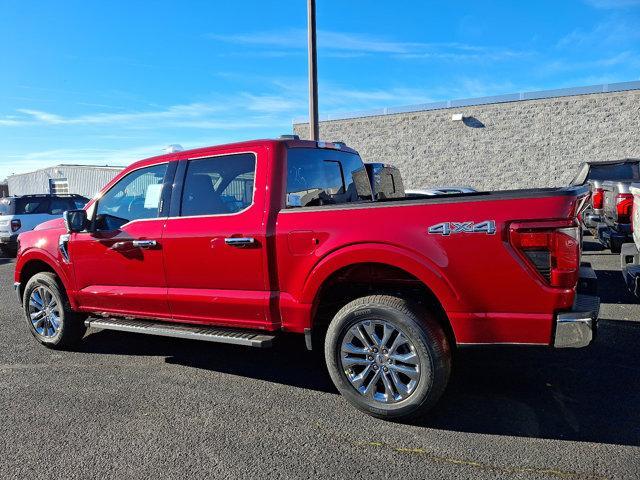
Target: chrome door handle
[(240, 241), (144, 243)]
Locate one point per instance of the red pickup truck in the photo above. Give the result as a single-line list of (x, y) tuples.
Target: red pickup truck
[(238, 243)]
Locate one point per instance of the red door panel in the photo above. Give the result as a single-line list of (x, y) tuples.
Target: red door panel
[(208, 279), (113, 274)]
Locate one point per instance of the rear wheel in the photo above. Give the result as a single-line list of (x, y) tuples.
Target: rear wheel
[(48, 312), (389, 358)]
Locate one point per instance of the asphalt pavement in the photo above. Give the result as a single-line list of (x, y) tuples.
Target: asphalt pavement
[(131, 406)]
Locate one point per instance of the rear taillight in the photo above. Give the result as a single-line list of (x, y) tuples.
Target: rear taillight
[(624, 206), (16, 225), (597, 199), (552, 250)]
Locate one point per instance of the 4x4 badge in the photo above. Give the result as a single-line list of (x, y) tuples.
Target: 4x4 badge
[(447, 228)]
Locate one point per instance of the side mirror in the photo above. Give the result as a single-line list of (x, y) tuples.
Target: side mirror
[(75, 220)]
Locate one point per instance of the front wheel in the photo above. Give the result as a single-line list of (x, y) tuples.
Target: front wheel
[(389, 358), (48, 313)]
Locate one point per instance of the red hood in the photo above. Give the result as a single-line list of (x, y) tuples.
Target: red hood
[(56, 223)]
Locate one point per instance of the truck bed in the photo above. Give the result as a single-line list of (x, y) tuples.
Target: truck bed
[(516, 194), (462, 243)]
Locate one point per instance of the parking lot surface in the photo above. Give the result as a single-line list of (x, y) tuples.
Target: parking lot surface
[(132, 406)]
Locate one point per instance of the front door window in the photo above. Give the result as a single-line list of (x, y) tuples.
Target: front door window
[(135, 197)]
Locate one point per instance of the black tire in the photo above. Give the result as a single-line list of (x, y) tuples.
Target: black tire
[(71, 326), (8, 252), (428, 341)]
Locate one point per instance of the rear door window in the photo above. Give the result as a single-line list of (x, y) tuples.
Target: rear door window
[(218, 185), (317, 177)]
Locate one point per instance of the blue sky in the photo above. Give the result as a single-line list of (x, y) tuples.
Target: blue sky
[(111, 82)]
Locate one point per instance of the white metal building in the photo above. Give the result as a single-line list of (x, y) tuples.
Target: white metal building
[(85, 180)]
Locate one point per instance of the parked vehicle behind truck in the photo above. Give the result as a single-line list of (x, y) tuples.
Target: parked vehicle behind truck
[(614, 228), (20, 214), (594, 174), (386, 181), (239, 243)]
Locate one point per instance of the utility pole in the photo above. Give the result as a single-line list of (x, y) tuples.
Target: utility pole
[(314, 127)]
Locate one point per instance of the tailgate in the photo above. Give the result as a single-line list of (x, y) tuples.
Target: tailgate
[(610, 204)]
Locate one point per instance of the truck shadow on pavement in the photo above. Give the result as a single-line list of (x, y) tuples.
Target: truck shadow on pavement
[(589, 395), (287, 362), (612, 289)]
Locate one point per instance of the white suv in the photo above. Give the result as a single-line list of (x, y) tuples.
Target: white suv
[(21, 214)]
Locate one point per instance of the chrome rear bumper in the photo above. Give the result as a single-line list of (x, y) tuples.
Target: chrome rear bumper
[(577, 327)]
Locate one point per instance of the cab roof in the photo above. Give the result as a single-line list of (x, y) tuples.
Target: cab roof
[(239, 146)]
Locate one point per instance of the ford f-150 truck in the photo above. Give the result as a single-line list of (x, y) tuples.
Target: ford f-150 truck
[(238, 243)]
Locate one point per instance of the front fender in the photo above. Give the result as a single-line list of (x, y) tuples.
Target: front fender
[(417, 265), (34, 254)]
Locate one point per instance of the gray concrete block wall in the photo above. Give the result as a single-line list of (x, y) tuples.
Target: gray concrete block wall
[(525, 144)]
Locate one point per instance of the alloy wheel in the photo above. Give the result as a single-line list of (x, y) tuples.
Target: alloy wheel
[(380, 361), (44, 312)]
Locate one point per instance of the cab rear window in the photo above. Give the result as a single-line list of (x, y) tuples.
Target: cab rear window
[(317, 177)]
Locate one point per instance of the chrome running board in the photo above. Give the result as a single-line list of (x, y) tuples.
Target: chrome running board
[(192, 332)]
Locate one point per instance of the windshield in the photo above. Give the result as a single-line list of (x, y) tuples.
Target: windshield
[(620, 171)]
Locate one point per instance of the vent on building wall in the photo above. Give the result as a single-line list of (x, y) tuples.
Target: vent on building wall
[(58, 186)]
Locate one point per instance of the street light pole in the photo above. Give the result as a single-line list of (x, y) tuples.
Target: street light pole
[(314, 127)]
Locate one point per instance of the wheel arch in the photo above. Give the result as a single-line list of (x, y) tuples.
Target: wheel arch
[(391, 270), (34, 262)]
